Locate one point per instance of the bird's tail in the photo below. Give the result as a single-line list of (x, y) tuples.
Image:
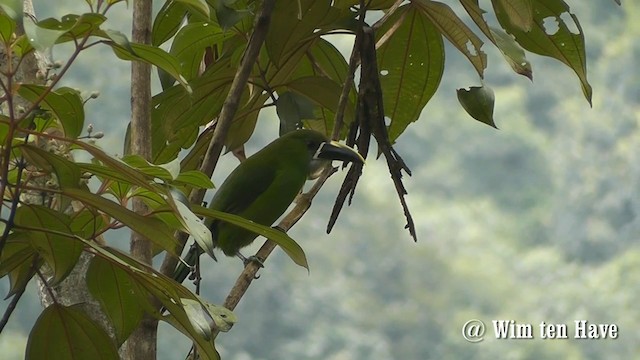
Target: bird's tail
[(182, 270)]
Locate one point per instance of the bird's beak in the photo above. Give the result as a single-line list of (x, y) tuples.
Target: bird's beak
[(335, 151)]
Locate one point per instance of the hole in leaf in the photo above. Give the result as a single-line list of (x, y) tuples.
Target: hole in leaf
[(384, 72), (568, 21), (471, 48), (550, 25)]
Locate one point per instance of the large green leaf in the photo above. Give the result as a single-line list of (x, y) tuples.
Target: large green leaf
[(450, 25), (42, 39), (411, 63), (512, 52), (325, 93), (119, 296), (7, 27), (294, 23), (168, 21), (555, 33), (126, 50), (62, 333), (115, 168), (73, 26), (13, 8), (67, 173), (152, 228), (199, 6), (87, 223), (245, 122), (191, 42), (168, 292), (194, 178), (17, 260), (47, 229), (292, 108), (177, 114), (520, 13), (510, 49), (151, 170), (287, 244), (65, 104)]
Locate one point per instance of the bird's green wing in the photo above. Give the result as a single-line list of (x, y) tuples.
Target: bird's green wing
[(252, 180)]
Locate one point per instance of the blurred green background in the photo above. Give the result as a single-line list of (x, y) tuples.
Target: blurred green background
[(538, 221)]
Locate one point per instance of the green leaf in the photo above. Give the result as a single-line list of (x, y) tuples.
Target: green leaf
[(17, 252), (478, 101), (17, 260), (512, 52), (152, 228), (200, 6), (291, 109), (168, 292), (154, 171), (67, 173), (62, 333), (555, 33), (293, 25), (287, 244), (73, 26), (191, 42), (87, 224), (244, 123), (115, 168), (227, 16), (149, 54), (510, 49), (520, 13), (322, 91), (13, 8), (194, 226), (41, 38), (167, 22), (46, 233), (325, 93), (22, 46), (450, 25), (177, 115), (194, 178), (7, 27), (411, 64), (326, 60), (118, 295), (65, 104)]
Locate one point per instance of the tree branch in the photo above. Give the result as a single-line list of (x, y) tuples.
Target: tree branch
[(142, 343)]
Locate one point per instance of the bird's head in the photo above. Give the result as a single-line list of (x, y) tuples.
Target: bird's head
[(322, 151)]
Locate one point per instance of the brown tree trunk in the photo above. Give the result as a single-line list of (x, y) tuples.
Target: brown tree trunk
[(142, 343)]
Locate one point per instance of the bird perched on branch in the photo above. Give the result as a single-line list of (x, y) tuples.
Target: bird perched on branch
[(263, 186)]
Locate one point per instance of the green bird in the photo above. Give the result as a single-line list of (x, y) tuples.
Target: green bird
[(263, 186)]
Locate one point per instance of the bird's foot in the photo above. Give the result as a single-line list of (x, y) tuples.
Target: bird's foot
[(251, 259)]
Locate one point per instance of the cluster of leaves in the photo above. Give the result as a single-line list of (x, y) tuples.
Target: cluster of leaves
[(298, 70), (54, 207)]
